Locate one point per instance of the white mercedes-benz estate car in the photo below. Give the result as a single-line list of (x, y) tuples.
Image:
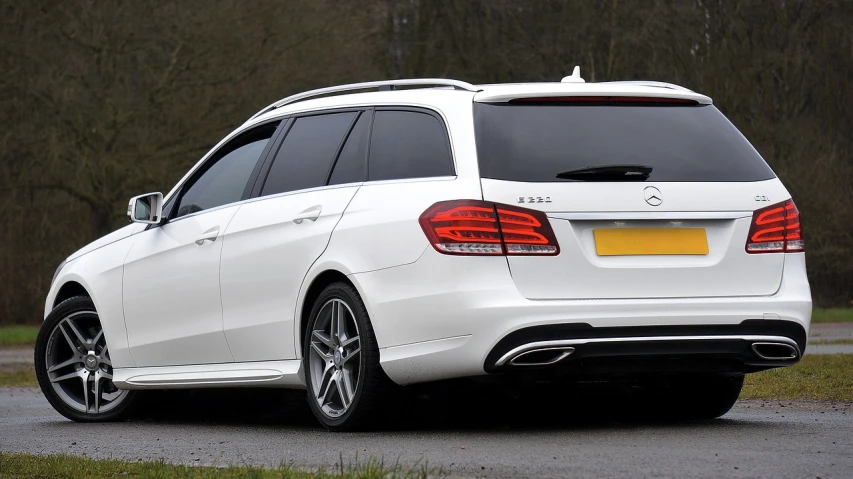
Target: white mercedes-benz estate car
[(347, 239)]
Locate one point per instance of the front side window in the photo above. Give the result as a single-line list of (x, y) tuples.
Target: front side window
[(307, 152), (224, 176), (408, 144)]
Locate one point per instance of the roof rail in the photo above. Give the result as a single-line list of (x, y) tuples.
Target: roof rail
[(382, 85), (658, 84)]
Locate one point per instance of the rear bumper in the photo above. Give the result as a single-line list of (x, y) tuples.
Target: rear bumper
[(582, 350), (445, 317)]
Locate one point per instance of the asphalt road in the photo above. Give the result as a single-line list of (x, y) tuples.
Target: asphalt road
[(756, 439)]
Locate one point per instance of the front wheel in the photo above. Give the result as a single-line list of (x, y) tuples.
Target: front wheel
[(341, 361), (73, 366)]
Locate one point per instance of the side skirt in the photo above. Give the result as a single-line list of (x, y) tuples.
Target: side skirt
[(283, 374)]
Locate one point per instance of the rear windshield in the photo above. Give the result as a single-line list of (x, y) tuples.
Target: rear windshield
[(681, 143)]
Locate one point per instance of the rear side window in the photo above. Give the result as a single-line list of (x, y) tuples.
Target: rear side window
[(350, 167), (408, 144), (307, 152), (681, 143)]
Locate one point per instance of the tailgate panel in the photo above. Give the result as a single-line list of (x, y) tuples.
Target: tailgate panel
[(674, 262)]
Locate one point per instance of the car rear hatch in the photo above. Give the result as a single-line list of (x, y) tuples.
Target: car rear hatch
[(656, 198)]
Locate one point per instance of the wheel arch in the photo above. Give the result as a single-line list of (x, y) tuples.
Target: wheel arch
[(69, 290), (316, 286)]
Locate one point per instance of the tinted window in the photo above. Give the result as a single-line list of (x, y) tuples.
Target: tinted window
[(306, 155), (350, 165), (407, 144), (680, 143), (224, 176)]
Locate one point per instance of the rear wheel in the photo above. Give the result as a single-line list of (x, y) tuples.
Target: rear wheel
[(73, 365), (341, 360)]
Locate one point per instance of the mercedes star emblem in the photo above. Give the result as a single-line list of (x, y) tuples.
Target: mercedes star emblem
[(652, 196)]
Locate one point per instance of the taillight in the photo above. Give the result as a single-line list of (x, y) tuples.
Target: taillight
[(476, 227), (775, 229)]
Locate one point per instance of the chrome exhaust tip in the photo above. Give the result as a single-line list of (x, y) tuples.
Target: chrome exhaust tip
[(541, 356), (775, 351)]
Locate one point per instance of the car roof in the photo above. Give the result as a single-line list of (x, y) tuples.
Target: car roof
[(510, 91), (433, 92)]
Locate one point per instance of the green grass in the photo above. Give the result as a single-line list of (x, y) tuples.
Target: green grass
[(26, 466), (828, 377), (832, 315), (24, 377), (18, 335)]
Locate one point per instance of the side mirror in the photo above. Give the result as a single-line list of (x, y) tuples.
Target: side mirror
[(147, 209)]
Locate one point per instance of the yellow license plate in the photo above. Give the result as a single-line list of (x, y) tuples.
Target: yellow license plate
[(648, 241)]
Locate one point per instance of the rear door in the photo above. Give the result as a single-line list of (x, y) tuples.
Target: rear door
[(273, 241), (680, 232)]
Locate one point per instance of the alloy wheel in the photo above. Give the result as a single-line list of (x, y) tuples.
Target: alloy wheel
[(78, 364), (335, 358)]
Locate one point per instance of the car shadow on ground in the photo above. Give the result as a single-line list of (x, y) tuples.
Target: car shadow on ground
[(450, 406)]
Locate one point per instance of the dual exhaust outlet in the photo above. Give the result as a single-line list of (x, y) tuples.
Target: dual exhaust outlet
[(547, 353)]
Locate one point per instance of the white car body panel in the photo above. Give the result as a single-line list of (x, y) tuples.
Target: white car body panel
[(264, 260), (228, 312), (172, 301), (108, 239), (579, 273), (473, 303), (100, 274)]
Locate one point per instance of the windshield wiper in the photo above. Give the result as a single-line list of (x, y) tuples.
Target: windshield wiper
[(608, 173)]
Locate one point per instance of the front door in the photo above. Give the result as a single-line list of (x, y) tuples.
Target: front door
[(171, 290)]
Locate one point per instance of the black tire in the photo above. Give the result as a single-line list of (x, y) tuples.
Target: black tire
[(46, 339), (372, 382), (697, 397)]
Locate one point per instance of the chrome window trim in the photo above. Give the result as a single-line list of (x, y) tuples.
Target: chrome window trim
[(285, 116), (311, 190)]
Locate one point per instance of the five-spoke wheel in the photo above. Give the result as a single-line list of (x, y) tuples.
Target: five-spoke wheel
[(73, 364), (341, 360), (334, 357)]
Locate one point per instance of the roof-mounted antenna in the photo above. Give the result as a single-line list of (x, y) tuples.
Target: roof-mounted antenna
[(575, 77)]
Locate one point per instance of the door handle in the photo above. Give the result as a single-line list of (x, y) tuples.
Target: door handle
[(310, 214), (209, 235)]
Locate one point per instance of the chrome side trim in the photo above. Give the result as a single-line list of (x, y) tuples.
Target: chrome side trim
[(653, 215), (284, 373), (574, 342)]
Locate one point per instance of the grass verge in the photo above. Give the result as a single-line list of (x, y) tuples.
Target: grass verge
[(821, 377), (23, 377), (832, 315), (18, 335), (26, 466)]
